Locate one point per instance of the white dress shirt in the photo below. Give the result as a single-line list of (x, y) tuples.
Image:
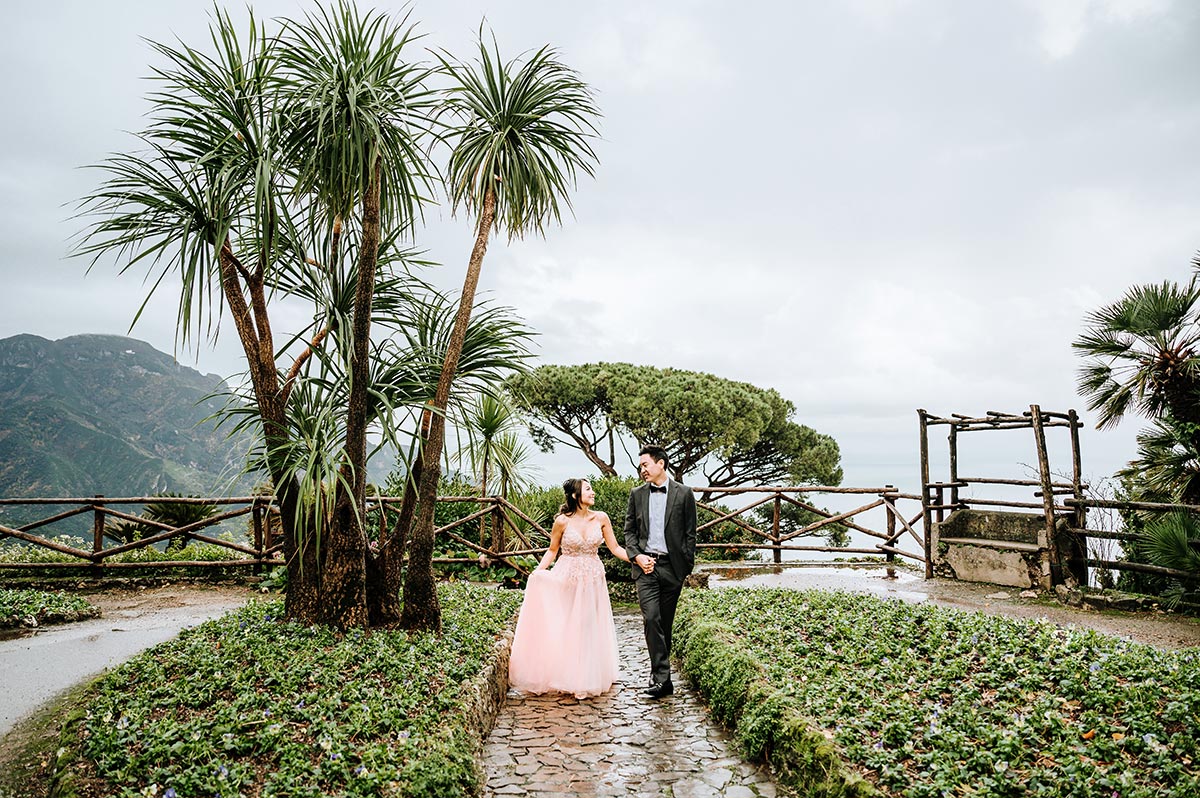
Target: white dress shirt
[(657, 543)]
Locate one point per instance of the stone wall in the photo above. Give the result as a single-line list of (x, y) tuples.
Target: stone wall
[(994, 547)]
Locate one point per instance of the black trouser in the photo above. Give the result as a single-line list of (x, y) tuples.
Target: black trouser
[(658, 596)]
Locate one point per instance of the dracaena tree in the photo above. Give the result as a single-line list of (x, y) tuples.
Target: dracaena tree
[(519, 135), (289, 166)]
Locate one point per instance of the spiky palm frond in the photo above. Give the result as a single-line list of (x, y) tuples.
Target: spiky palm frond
[(356, 101), (207, 174), (1167, 464), (1143, 354), (522, 129)]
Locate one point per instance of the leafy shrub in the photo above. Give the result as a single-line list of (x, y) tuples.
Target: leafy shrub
[(925, 701), (38, 608)]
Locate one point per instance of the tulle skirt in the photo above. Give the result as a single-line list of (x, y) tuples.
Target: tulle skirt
[(565, 640)]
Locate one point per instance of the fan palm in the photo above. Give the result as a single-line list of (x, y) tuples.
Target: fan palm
[(1143, 354), (1173, 541), (1167, 466), (519, 139)]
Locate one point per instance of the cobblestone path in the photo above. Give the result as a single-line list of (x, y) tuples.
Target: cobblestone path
[(618, 744)]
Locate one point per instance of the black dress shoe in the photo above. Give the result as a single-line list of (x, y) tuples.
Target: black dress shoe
[(660, 690)]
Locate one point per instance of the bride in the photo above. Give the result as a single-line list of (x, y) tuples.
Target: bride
[(565, 639)]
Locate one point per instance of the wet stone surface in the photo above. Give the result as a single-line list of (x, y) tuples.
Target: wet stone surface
[(618, 744)]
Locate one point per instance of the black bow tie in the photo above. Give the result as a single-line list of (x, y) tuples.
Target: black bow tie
[(656, 489)]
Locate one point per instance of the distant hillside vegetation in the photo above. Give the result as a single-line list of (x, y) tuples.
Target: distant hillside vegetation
[(103, 414)]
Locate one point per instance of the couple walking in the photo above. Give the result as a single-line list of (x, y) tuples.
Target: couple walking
[(565, 639)]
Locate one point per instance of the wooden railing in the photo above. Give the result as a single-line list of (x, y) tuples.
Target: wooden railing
[(505, 531), (896, 525), (261, 550), (1082, 557)]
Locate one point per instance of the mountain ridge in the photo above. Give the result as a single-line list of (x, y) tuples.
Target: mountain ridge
[(110, 415)]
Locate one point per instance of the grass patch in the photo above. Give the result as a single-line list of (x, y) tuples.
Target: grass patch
[(31, 608), (250, 705), (923, 701)]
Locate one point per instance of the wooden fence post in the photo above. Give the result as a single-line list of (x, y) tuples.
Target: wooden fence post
[(97, 528), (1047, 540), (256, 519), (775, 530), (889, 556), (497, 516), (926, 516)]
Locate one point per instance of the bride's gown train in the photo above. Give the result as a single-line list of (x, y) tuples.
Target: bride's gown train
[(566, 640)]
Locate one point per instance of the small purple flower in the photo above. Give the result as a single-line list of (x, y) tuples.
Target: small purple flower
[(334, 756), (222, 771), (1095, 666), (360, 770), (170, 793), (266, 713)]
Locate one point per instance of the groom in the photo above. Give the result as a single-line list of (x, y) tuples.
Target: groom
[(660, 537)]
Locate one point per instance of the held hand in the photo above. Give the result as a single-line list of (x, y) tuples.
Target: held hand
[(645, 563)]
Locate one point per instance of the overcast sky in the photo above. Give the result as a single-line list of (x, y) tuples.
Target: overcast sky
[(869, 206)]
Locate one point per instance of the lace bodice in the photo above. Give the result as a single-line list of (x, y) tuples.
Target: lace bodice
[(577, 558), (581, 539)]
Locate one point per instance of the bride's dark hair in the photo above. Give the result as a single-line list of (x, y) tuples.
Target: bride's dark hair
[(571, 488)]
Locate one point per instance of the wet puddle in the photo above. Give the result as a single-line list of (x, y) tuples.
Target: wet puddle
[(876, 579)]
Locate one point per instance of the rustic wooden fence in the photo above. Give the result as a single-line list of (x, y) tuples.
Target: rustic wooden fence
[(895, 525), (1082, 558), (502, 531), (1063, 505)]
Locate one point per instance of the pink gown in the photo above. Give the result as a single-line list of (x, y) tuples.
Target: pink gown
[(566, 640)]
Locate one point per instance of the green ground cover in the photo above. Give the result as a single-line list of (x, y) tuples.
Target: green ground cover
[(249, 705), (849, 694), (39, 607)]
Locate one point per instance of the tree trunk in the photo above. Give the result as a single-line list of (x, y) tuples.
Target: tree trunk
[(344, 571), (301, 603), (421, 610), (385, 571), (483, 521)]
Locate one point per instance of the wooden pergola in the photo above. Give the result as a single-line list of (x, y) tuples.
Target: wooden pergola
[(934, 499)]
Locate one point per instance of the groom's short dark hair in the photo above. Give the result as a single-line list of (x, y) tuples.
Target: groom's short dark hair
[(656, 452)]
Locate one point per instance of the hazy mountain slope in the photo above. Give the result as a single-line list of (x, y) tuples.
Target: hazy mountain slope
[(101, 414)]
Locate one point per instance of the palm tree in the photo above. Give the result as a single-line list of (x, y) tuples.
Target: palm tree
[(1143, 356), (357, 111), (1173, 541), (492, 443), (519, 140), (290, 167)]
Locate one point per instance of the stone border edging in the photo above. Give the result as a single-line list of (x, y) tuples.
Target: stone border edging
[(484, 696)]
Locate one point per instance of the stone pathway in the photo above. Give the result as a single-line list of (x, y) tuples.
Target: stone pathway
[(618, 744)]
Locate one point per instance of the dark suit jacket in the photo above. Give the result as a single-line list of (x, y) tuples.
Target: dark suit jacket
[(679, 525)]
